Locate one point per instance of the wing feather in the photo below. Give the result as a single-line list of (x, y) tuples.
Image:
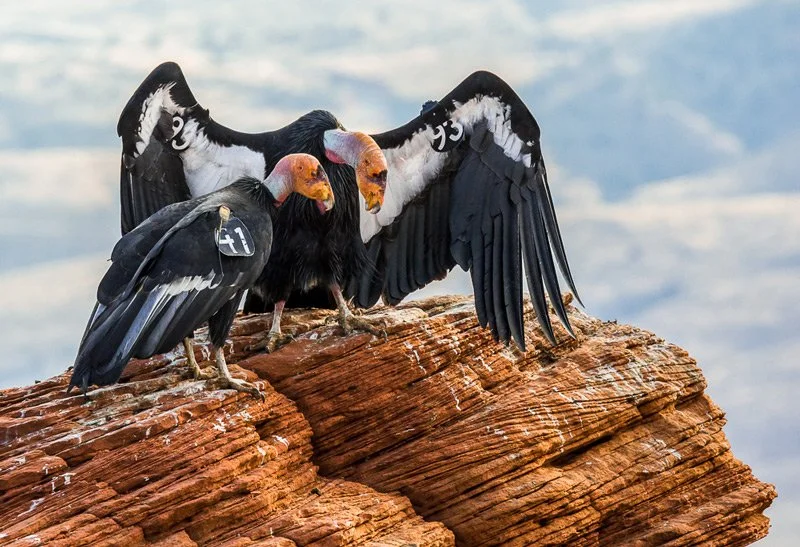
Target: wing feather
[(151, 169), (417, 249), (487, 236), (512, 285), (403, 244), (545, 258), (431, 249), (549, 213), (478, 274), (498, 279), (444, 260), (481, 202), (534, 271)]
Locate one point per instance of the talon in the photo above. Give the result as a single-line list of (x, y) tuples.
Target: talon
[(200, 374), (226, 380), (243, 386), (271, 342), (197, 372), (350, 323)]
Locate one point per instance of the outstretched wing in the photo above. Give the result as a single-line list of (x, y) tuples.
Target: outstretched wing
[(152, 127), (172, 150), (467, 185)]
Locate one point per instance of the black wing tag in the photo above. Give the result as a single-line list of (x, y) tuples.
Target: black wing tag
[(447, 135), (179, 143), (234, 239)]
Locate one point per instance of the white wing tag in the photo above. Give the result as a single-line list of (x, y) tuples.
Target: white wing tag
[(234, 239)]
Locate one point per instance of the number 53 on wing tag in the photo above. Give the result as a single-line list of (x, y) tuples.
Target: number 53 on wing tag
[(234, 239)]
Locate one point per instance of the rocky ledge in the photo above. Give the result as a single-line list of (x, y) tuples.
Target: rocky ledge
[(433, 436)]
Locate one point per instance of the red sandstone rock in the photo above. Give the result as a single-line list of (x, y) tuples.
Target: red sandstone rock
[(604, 440)]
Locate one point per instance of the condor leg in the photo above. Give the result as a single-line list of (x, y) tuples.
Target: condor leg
[(347, 320), (197, 372), (274, 338), (229, 381)]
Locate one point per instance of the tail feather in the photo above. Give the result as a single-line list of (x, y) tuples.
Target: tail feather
[(111, 338), (178, 319), (155, 303), (160, 321)]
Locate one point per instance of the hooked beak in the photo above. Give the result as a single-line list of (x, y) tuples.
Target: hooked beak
[(318, 188), (325, 205), (372, 188), (322, 193)]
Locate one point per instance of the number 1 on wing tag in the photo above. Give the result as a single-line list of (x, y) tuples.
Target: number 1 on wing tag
[(234, 239)]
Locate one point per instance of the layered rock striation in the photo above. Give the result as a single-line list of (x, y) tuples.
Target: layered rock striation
[(435, 435)]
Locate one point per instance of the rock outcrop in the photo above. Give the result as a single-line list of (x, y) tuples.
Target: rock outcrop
[(435, 436)]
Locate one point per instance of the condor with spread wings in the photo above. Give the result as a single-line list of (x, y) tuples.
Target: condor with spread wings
[(467, 186)]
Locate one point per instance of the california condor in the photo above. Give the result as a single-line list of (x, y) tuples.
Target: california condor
[(189, 263), (466, 186)]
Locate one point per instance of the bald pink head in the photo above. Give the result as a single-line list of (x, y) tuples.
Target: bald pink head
[(301, 173)]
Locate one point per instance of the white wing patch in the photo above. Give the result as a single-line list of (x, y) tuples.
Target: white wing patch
[(497, 115), (159, 100), (194, 283), (207, 166), (410, 167), (414, 164)]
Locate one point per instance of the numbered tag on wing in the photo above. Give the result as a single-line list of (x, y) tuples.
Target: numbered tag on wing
[(447, 135), (234, 239)]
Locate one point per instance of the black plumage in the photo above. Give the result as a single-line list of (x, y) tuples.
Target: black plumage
[(311, 251), (467, 186), (170, 274)]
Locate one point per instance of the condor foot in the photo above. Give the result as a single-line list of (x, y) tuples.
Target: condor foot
[(200, 374), (351, 323), (271, 342), (197, 372), (241, 385)]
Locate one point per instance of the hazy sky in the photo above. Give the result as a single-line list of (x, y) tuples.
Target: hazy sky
[(671, 129)]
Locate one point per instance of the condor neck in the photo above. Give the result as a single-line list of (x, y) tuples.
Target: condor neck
[(344, 146), (279, 184)]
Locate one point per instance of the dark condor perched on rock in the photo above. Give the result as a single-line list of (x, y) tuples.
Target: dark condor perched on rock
[(189, 263), (467, 186)]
